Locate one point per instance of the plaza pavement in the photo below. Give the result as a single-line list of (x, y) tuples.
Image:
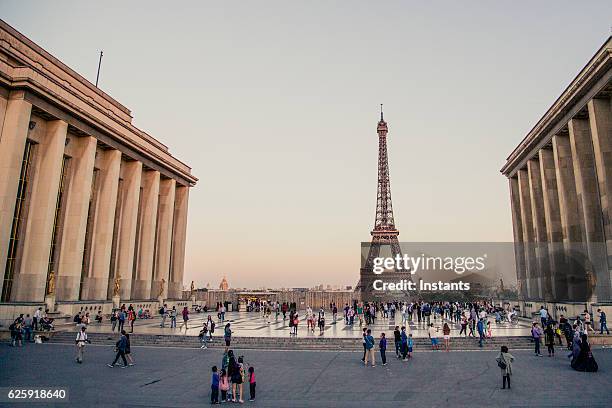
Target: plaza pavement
[(177, 377), (253, 325)]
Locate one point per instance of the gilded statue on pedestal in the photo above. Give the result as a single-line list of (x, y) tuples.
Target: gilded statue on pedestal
[(51, 283), (117, 287), (161, 288)]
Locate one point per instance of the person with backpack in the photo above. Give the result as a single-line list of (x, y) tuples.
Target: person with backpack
[(81, 340), (369, 344), (504, 362), (163, 312), (131, 319), (404, 343)]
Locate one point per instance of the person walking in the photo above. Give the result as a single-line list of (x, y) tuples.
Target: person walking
[(446, 332), (211, 327), (481, 332), (464, 324), (382, 345), (504, 362), (603, 324), (81, 340), (252, 383), (536, 333), (214, 386), (128, 350), (185, 314), (121, 346), (369, 342)]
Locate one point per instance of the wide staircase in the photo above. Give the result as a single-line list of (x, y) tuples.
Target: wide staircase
[(285, 343)]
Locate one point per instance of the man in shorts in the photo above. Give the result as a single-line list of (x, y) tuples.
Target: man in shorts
[(433, 336)]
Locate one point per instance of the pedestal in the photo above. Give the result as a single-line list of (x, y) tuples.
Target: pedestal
[(50, 302), (116, 302), (160, 301), (193, 300)]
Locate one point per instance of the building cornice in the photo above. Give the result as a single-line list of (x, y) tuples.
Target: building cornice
[(26, 66), (595, 76)]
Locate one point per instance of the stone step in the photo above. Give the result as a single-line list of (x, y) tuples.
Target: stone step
[(304, 343)]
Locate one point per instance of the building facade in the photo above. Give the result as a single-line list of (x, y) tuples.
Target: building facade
[(91, 207), (560, 180)]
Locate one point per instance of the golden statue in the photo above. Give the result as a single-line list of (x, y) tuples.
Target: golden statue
[(117, 287), (51, 283), (161, 288), (192, 289)]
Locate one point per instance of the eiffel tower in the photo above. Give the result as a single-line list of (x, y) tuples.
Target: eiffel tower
[(384, 232)]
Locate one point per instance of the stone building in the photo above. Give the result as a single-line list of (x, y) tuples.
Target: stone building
[(560, 178), (91, 207)]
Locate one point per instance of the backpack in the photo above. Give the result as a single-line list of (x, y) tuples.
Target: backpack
[(161, 310), (501, 364)]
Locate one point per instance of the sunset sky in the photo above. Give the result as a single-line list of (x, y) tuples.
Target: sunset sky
[(274, 105)]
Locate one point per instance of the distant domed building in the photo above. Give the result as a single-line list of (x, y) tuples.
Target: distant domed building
[(223, 285)]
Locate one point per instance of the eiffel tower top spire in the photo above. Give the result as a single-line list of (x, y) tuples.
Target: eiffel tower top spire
[(384, 225)]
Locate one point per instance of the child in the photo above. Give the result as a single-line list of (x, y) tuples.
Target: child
[(224, 385), (410, 344), (489, 333), (383, 348), (252, 383), (214, 387)]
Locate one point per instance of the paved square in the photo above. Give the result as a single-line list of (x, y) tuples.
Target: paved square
[(177, 377), (252, 324)]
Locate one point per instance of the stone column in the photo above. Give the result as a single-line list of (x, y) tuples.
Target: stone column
[(141, 288), (95, 286), (517, 228), (164, 237), (131, 172), (75, 222), (588, 197), (600, 116), (542, 281), (12, 143), (571, 212), (179, 235), (528, 233), (554, 232), (30, 283)]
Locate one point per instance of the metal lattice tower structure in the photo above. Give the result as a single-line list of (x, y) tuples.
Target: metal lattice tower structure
[(384, 232)]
